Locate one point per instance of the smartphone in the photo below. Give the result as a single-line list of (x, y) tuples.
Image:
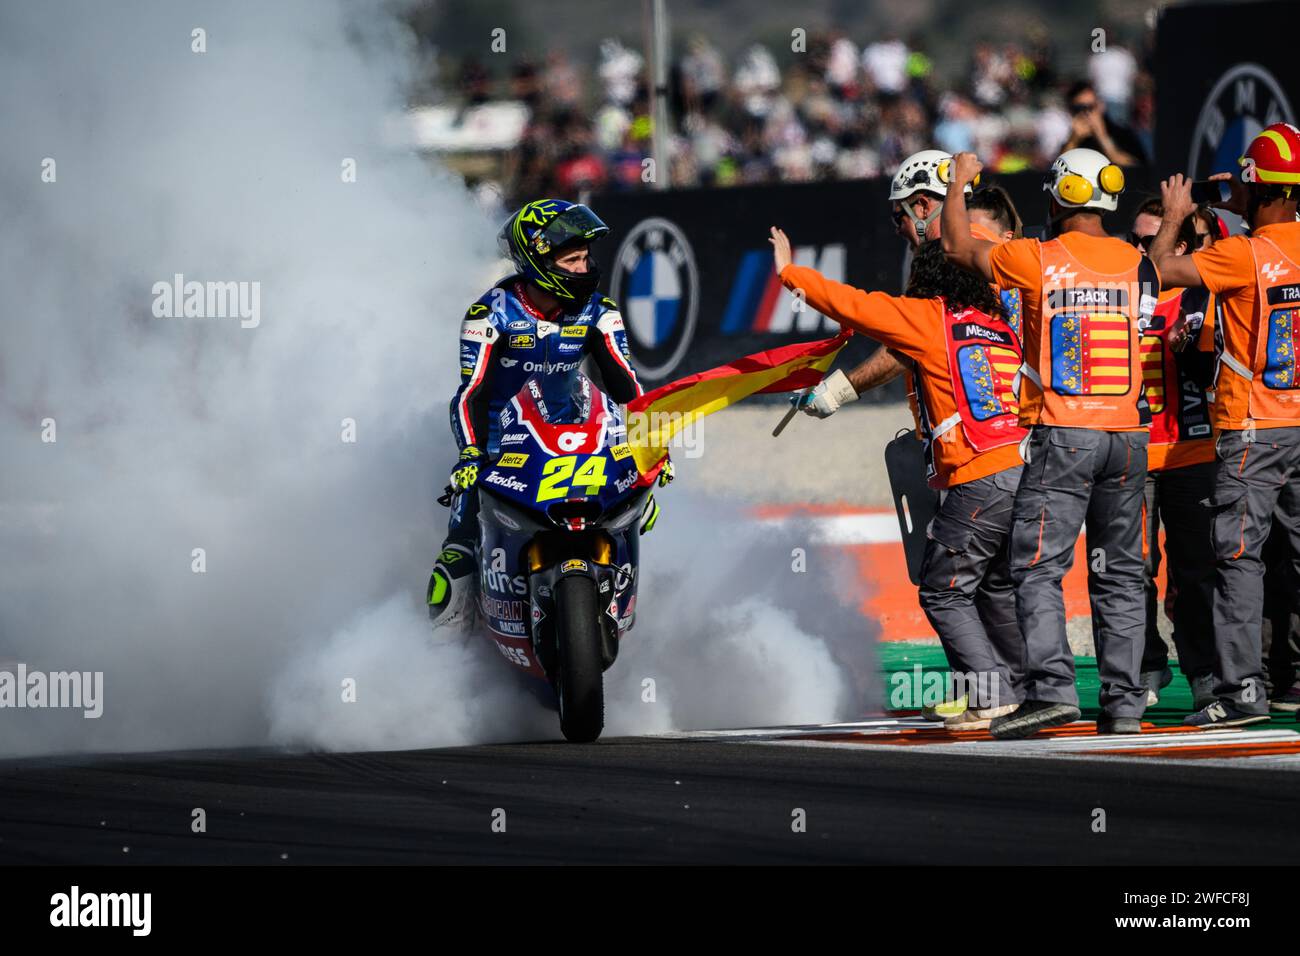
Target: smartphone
[(1211, 192)]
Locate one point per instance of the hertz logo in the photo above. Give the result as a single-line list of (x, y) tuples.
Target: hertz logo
[(512, 460)]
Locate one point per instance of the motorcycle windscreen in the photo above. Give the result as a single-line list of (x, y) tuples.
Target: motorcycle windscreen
[(563, 396)]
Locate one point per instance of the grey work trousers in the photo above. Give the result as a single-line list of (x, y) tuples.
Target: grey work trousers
[(1175, 498), (1074, 476), (966, 589), (1256, 484)]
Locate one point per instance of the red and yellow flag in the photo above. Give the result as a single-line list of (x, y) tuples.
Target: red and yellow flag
[(655, 417)]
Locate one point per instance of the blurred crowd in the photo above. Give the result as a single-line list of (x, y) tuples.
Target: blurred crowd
[(836, 111)]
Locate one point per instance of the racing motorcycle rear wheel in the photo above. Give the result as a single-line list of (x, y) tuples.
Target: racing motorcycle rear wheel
[(579, 682)]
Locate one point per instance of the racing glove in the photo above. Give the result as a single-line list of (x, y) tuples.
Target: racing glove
[(824, 399), (667, 473), (465, 475)]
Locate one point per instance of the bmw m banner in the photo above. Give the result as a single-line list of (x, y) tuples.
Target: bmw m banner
[(1223, 73), (691, 270)]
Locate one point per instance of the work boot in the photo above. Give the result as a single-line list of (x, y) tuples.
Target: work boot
[(1031, 717), (977, 718), (1154, 682), (1288, 700), (1118, 725)]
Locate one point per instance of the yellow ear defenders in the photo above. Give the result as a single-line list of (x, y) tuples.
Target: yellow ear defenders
[(1111, 180), (1076, 190), (944, 172)]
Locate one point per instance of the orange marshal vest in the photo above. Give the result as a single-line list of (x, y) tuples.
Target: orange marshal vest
[(1272, 370), (1175, 382), (984, 355), (1088, 364)]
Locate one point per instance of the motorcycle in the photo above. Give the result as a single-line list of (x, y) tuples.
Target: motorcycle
[(558, 542)]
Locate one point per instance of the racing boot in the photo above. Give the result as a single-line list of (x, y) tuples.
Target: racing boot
[(451, 586)]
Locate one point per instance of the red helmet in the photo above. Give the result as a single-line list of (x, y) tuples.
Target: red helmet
[(1273, 156)]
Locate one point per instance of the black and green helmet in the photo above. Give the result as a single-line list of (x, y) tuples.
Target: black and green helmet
[(533, 236)]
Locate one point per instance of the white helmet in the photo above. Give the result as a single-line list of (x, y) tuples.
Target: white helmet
[(1084, 179), (926, 171)]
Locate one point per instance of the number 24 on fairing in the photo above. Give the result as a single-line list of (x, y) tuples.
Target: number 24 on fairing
[(559, 471)]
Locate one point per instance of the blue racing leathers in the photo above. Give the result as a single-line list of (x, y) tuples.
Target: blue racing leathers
[(504, 340)]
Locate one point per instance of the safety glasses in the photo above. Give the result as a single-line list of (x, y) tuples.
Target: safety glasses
[(1141, 242)]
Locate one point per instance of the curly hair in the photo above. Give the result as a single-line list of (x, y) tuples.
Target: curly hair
[(933, 276)]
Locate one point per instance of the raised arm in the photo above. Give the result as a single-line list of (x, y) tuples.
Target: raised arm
[(962, 249), (887, 319), (1175, 271)]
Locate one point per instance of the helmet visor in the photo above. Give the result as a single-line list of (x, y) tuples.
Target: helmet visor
[(575, 224)]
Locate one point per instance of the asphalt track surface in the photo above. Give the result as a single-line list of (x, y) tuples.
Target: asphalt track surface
[(639, 801)]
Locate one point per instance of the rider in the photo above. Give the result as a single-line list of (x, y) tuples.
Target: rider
[(546, 318)]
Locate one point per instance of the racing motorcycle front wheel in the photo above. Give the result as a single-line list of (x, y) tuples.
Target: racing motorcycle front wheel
[(579, 681)]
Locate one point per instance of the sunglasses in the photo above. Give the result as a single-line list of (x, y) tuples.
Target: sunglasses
[(1142, 242), (1078, 109)]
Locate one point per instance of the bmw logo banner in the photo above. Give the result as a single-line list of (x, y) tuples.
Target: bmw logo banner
[(656, 284), (1222, 75), (691, 270)]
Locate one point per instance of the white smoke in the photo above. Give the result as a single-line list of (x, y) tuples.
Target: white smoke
[(177, 434), (747, 640), (727, 635)]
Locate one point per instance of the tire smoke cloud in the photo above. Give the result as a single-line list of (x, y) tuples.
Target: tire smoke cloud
[(181, 507)]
